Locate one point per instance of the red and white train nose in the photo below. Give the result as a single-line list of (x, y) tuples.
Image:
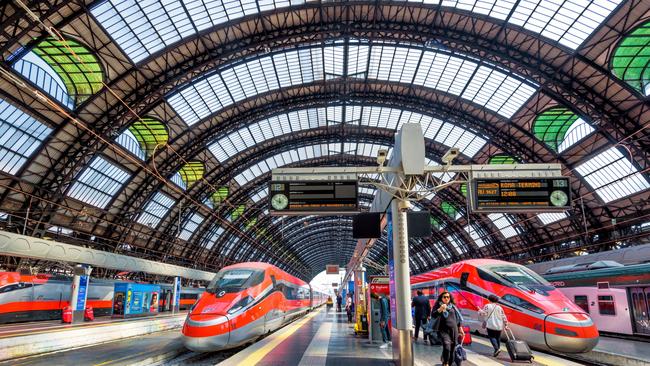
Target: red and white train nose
[(570, 332), (206, 332)]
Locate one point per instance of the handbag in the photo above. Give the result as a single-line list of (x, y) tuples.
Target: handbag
[(484, 324)]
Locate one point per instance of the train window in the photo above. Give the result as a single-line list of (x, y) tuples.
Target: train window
[(606, 305), (521, 303), (486, 276), (185, 296), (232, 280), (520, 276), (15, 286), (582, 301)]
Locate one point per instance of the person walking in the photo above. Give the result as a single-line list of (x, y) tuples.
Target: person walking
[(495, 322), (384, 319), (422, 310), (450, 326)]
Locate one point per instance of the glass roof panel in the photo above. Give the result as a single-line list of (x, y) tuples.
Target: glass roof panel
[(20, 136), (500, 92), (550, 217), (189, 227), (212, 239), (612, 175), (36, 70), (631, 60), (98, 183), (474, 234), (503, 223), (457, 244), (155, 209), (192, 172), (128, 141), (178, 180), (141, 28), (560, 128), (258, 132)]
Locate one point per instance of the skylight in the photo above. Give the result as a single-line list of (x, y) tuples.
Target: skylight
[(258, 132), (213, 238), (497, 90), (98, 183), (142, 28), (458, 244), (474, 234), (288, 157), (192, 223), (503, 223), (260, 195), (612, 175), (20, 136), (156, 208), (550, 217)]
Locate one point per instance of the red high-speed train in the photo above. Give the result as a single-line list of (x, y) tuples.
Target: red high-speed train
[(537, 312), (243, 302), (26, 298)]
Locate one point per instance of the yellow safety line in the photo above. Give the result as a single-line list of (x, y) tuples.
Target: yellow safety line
[(539, 357), (258, 355)]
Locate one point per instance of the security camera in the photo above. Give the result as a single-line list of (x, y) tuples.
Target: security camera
[(381, 156), (450, 155)]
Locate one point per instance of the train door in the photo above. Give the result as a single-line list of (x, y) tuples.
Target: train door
[(641, 309)]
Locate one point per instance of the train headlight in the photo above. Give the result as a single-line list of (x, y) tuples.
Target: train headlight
[(240, 304)]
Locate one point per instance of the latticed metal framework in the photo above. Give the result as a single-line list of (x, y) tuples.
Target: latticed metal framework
[(151, 128)]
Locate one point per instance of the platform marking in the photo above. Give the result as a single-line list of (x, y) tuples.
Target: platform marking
[(479, 359), (316, 353), (259, 350), (541, 358)]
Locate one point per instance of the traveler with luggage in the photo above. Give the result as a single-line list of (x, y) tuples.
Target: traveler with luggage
[(495, 321), (450, 328), (422, 310)]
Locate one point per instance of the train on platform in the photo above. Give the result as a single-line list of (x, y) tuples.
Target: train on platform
[(616, 296), (537, 312), (245, 301), (25, 298)]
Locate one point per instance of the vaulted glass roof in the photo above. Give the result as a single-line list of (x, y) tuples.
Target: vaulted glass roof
[(631, 60), (258, 132), (98, 182), (304, 153), (473, 80), (560, 128), (20, 135), (612, 175), (142, 28)]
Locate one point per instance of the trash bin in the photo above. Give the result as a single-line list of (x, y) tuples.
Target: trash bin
[(89, 314), (66, 315)]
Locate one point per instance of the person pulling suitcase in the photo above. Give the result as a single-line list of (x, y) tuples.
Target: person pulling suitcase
[(517, 349)]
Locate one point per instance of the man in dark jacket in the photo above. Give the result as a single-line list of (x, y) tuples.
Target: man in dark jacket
[(339, 300), (422, 311), (384, 318)]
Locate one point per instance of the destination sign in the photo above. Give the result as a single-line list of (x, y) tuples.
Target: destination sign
[(521, 194), (313, 198)]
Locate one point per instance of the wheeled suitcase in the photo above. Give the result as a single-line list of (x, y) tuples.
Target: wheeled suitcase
[(467, 339), (518, 349)]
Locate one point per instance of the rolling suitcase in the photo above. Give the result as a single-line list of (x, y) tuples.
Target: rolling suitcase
[(467, 340), (518, 349)]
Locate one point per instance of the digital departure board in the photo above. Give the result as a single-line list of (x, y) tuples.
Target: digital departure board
[(521, 194), (313, 198)]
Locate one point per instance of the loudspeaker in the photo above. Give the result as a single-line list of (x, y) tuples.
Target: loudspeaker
[(419, 225), (366, 225)]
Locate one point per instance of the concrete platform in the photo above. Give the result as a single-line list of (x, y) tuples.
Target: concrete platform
[(620, 352), (22, 340)]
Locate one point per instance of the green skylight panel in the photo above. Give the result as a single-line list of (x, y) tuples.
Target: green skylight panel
[(148, 133), (435, 223), (502, 159), (155, 209), (219, 196), (237, 212), (189, 227), (612, 175), (20, 136), (631, 60), (142, 28), (560, 128), (98, 183), (497, 90), (450, 210), (192, 172), (66, 70)]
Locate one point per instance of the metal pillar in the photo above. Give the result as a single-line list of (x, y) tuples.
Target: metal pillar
[(360, 295), (402, 322), (79, 291), (176, 295)]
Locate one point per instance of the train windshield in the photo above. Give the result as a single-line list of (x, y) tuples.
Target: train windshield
[(235, 280), (521, 276)]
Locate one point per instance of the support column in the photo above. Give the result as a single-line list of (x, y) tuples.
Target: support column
[(79, 291), (400, 286), (360, 295), (176, 295)]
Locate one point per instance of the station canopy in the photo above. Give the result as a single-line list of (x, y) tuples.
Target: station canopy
[(151, 128)]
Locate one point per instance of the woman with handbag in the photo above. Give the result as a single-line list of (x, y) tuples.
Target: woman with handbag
[(495, 322), (449, 326)]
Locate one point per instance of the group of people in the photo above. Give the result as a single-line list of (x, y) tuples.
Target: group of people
[(448, 322), (349, 305)]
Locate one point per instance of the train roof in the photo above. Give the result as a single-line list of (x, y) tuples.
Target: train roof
[(631, 270), (444, 271)]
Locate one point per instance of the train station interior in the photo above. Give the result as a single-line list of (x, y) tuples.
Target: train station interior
[(344, 182)]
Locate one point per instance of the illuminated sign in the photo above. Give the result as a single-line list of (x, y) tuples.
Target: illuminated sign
[(313, 198), (332, 269), (520, 194)]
